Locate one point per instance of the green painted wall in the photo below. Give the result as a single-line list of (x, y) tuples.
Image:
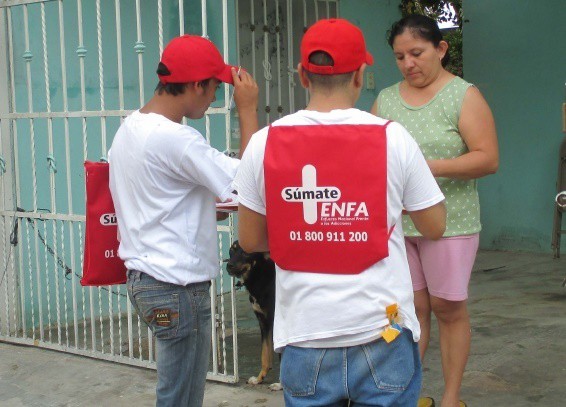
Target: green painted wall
[(375, 17), (514, 51)]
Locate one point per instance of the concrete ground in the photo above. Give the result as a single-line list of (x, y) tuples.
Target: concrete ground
[(518, 357)]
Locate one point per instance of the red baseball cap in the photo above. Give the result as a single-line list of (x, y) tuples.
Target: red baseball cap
[(191, 58), (339, 38)]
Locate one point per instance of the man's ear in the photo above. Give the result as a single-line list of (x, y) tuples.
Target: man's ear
[(196, 87), (359, 76), (303, 76)]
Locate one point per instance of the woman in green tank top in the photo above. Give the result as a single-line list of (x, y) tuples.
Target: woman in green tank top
[(454, 127)]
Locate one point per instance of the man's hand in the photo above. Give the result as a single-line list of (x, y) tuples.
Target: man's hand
[(221, 215), (245, 91), (246, 98)]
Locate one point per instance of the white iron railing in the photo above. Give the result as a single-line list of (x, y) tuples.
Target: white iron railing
[(70, 71)]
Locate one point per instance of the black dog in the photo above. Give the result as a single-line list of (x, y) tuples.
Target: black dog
[(257, 273)]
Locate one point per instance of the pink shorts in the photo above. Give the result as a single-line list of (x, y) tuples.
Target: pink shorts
[(443, 266)]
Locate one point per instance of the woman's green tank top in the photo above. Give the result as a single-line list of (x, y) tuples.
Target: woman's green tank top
[(434, 126)]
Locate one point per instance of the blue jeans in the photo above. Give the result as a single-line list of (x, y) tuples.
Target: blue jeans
[(373, 374), (179, 317)]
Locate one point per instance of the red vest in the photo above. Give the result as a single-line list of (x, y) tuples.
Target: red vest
[(326, 197)]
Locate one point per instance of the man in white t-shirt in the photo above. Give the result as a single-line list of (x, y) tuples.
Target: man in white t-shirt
[(323, 190), (164, 180)]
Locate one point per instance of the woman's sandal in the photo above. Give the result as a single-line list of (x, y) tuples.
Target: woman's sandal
[(426, 402), (462, 404)]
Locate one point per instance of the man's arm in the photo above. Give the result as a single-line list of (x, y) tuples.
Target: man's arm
[(422, 197), (245, 97), (252, 230), (430, 222)]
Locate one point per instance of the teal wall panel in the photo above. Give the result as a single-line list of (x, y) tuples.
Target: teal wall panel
[(514, 51), (375, 17)]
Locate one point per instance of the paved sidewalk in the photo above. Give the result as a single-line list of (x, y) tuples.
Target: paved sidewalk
[(518, 357), (34, 377)]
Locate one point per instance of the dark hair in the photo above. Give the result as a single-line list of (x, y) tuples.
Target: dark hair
[(173, 89), (420, 26), (322, 58)]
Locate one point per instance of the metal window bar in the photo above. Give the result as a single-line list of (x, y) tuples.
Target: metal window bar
[(291, 70), (81, 54), (50, 160), (222, 310), (104, 154), (181, 17), (140, 48), (278, 45), (204, 20), (70, 207), (57, 288), (30, 269), (4, 324), (305, 26), (6, 273), (160, 25), (266, 65), (275, 53), (252, 28), (119, 52), (28, 58), (18, 233)]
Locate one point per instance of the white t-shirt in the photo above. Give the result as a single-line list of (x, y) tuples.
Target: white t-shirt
[(329, 310), (164, 178)]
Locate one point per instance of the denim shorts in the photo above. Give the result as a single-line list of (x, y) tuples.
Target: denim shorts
[(374, 374)]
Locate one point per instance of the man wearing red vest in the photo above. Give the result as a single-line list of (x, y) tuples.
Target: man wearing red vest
[(323, 190)]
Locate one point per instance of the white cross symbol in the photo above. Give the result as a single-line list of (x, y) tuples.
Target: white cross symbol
[(310, 194)]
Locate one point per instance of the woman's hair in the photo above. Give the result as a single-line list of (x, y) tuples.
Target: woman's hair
[(420, 26)]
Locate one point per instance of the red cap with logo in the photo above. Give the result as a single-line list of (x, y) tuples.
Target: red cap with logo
[(339, 38), (191, 58)]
